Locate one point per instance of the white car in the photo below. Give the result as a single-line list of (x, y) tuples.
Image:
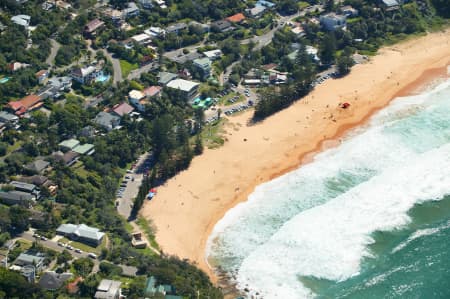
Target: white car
[(78, 250)]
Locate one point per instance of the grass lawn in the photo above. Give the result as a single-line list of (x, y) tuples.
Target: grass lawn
[(86, 248), (212, 134), (127, 67), (24, 244), (149, 232), (14, 147)]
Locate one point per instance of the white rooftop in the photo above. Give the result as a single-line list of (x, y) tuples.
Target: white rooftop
[(141, 37), (182, 84), (136, 94)]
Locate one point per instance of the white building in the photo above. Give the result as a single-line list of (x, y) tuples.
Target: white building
[(188, 88), (213, 54), (137, 99), (142, 39)]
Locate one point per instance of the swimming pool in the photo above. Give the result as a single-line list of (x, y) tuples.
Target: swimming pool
[(102, 78), (4, 80)]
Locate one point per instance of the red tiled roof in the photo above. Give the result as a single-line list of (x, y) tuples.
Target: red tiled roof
[(152, 91), (93, 25), (24, 104), (239, 17), (122, 109), (41, 73)]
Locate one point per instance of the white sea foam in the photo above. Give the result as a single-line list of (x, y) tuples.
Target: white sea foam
[(329, 241), (418, 234), (317, 220)]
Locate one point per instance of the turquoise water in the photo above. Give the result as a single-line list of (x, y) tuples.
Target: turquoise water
[(367, 219), (4, 80), (102, 78)]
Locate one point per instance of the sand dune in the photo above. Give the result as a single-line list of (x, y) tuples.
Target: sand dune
[(188, 206)]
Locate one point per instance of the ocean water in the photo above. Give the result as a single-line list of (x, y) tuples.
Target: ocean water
[(367, 219)]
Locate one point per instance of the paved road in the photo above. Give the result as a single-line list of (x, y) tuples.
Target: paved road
[(134, 74), (53, 51), (52, 245), (116, 67)]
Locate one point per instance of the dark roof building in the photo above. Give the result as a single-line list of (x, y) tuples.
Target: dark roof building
[(37, 166), (17, 198), (52, 281), (107, 120)]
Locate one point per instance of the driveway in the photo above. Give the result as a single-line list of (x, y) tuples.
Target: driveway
[(53, 51)]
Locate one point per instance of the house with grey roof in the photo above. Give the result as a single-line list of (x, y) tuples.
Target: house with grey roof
[(333, 21), (204, 66), (10, 118), (84, 149), (31, 259), (37, 166), (17, 198), (81, 233), (107, 121), (165, 77), (176, 28), (52, 281), (108, 289), (69, 144), (67, 159), (25, 187)]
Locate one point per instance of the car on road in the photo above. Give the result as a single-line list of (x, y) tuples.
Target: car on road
[(127, 177), (78, 250), (60, 244), (92, 255), (69, 247), (43, 238)]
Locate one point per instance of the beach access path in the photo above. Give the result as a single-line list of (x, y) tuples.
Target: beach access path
[(188, 206)]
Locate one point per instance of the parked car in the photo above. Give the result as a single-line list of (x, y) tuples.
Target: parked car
[(92, 255), (78, 250)]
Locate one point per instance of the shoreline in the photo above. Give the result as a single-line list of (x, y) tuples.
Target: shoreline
[(419, 65)]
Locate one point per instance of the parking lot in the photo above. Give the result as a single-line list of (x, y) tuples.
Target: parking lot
[(129, 186)]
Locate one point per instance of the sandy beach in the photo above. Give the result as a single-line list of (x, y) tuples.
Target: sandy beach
[(188, 206)]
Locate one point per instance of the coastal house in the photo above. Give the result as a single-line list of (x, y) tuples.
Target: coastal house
[(390, 5), (236, 18), (156, 32), (333, 21), (143, 39), (15, 66), (86, 149), (188, 88), (164, 78), (68, 159), (25, 187), (204, 66), (35, 260), (37, 166), (42, 76), (8, 118), (93, 28), (199, 27), (68, 144), (107, 121), (17, 198), (21, 20), (132, 10), (146, 4), (81, 233), (85, 75), (26, 104), (52, 281), (221, 26), (176, 28), (122, 109), (108, 289), (213, 54), (349, 11), (152, 92), (182, 58)]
